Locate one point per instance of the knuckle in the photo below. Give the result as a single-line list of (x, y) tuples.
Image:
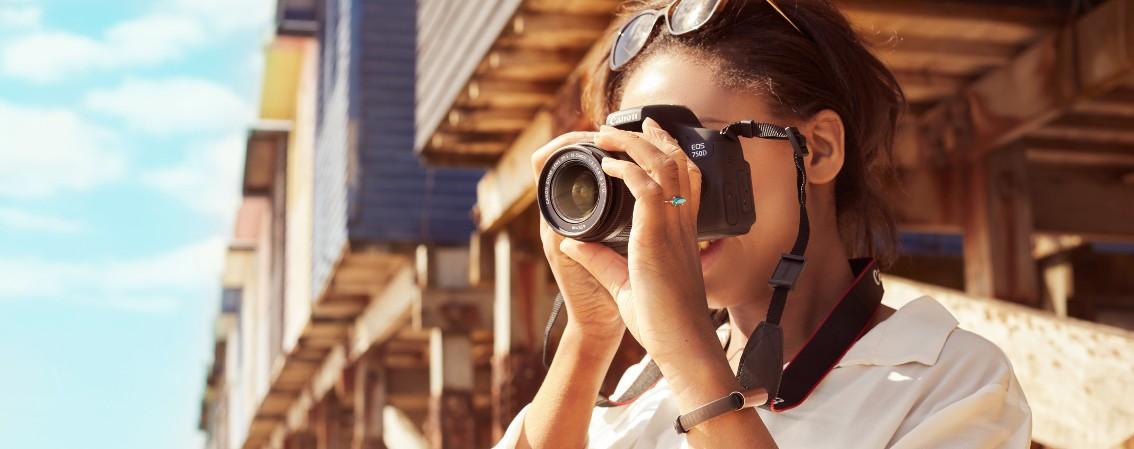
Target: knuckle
[(694, 172), (652, 190)]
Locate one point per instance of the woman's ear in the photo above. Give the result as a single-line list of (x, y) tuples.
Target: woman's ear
[(825, 144)]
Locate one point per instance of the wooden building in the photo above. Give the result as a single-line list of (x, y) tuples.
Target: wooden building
[(362, 307)]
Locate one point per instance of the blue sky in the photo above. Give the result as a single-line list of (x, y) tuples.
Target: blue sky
[(121, 143)]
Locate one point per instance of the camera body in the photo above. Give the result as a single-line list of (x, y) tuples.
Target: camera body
[(580, 201)]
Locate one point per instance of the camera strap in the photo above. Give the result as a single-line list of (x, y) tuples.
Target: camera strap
[(761, 364)]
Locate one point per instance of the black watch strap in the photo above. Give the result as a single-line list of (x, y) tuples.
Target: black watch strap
[(731, 403)]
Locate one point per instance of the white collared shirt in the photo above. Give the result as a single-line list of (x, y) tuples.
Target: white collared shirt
[(915, 380)]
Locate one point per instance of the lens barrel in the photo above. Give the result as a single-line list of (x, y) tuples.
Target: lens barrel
[(579, 201)]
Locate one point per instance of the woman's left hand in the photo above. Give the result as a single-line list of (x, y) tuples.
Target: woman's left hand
[(659, 287)]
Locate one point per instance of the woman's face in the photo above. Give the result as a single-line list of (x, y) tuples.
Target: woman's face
[(736, 268)]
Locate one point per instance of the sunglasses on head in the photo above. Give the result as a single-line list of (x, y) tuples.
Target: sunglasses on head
[(681, 16)]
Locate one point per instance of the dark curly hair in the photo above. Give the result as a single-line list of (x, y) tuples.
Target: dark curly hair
[(827, 66)]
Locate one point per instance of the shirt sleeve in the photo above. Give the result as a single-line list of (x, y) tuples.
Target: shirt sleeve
[(985, 409)]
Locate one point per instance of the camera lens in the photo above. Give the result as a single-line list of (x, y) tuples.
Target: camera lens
[(574, 192), (579, 201)]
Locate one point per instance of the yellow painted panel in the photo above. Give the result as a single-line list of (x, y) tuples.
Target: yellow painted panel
[(283, 59)]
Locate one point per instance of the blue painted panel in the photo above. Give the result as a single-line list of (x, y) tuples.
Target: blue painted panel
[(397, 199)]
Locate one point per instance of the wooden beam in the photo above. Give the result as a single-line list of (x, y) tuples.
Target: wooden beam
[(950, 57), (450, 394), (1097, 159), (492, 143), (510, 186), (1078, 62), (1054, 359), (554, 31), (507, 94), (571, 6), (998, 230), (385, 313), (950, 19), (525, 64), (924, 86), (1088, 204), (490, 120)]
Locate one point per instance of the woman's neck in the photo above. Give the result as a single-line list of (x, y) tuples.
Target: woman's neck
[(825, 277)]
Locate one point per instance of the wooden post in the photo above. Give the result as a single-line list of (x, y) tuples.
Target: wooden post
[(521, 307), (998, 229), (369, 401), (450, 390), (334, 425), (301, 439)]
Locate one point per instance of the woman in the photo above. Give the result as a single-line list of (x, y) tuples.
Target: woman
[(911, 379)]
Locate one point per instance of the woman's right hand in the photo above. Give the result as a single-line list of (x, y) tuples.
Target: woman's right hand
[(590, 308)]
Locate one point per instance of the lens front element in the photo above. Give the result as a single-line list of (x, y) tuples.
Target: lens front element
[(578, 200), (574, 192)]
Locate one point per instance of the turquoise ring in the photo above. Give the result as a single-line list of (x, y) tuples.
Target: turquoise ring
[(677, 200)]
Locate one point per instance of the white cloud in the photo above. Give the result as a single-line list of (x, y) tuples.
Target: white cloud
[(47, 150), (22, 220), (50, 55), (172, 106), (165, 33), (144, 283), (19, 16), (208, 180), (229, 15)]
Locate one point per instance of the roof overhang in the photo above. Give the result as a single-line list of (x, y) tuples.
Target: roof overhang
[(942, 46), (266, 141)]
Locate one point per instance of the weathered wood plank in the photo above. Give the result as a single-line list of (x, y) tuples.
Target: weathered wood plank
[(1078, 376), (998, 230), (385, 312), (1076, 63), (950, 19), (1083, 203)]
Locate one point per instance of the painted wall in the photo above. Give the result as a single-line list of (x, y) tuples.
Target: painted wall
[(300, 174)]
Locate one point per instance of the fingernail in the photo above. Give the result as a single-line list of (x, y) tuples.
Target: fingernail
[(566, 245), (649, 121)]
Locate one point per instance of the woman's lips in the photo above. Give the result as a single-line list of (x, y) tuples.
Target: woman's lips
[(709, 251)]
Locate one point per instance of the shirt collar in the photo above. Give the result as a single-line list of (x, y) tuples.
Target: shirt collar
[(914, 333)]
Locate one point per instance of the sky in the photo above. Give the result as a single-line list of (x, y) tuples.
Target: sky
[(122, 125)]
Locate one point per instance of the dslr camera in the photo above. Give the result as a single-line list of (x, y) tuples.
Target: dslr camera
[(578, 200)]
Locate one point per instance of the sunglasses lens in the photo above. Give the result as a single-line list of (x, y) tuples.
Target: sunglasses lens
[(632, 38), (688, 15)]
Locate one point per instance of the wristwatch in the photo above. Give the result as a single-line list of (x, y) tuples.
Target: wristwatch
[(731, 403)]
